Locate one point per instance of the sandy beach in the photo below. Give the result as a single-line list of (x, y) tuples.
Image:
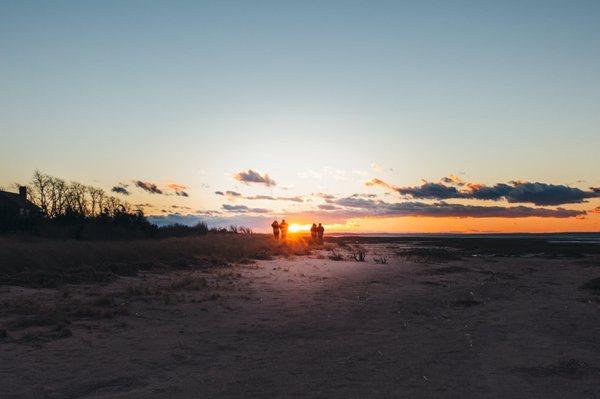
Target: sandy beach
[(309, 326)]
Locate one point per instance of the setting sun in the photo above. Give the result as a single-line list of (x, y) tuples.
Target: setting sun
[(296, 228)]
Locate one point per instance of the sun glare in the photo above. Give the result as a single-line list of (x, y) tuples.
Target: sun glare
[(295, 228)]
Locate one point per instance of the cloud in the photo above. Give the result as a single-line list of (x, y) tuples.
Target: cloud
[(361, 207), (453, 179), (149, 187), (208, 213), (429, 191), (181, 207), (548, 194), (261, 197), (595, 189), (595, 210), (244, 209), (541, 194), (254, 177), (376, 168), (233, 195), (378, 182), (120, 190), (329, 207), (356, 202), (179, 189), (324, 196), (271, 198)]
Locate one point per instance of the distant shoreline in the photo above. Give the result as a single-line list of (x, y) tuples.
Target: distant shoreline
[(594, 235)]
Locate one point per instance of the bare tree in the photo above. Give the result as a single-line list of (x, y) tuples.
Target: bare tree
[(56, 197), (39, 191), (96, 197), (77, 200)]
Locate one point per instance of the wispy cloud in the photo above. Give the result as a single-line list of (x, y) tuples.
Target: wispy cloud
[(272, 198), (231, 195), (329, 207), (151, 188), (453, 179), (179, 189), (234, 195), (324, 196), (252, 176), (120, 190), (378, 182), (244, 209), (154, 188)]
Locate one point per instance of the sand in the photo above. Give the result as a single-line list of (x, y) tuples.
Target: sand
[(491, 327)]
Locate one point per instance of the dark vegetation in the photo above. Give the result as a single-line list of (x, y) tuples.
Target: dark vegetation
[(335, 256), (41, 262), (448, 248), (71, 210)]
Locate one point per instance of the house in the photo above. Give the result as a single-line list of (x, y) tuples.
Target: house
[(15, 207)]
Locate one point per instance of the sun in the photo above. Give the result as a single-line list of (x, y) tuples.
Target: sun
[(295, 228)]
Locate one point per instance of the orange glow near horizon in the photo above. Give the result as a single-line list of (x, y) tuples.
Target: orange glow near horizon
[(591, 223), (476, 225)]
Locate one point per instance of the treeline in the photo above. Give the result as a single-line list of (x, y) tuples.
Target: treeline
[(57, 198), (75, 210)]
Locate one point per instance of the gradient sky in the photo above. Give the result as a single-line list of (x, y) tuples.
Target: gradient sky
[(321, 96)]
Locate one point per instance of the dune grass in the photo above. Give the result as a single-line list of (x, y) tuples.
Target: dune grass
[(50, 263)]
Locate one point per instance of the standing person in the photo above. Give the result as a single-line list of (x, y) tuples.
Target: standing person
[(313, 232), (320, 231), (283, 226), (275, 227)]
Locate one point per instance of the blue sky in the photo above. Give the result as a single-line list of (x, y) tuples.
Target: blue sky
[(194, 92)]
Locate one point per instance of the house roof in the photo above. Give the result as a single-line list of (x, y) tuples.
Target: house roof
[(17, 200)]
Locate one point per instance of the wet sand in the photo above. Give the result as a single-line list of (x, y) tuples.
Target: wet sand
[(486, 326)]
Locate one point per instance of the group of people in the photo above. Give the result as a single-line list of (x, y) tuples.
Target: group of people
[(316, 232), (280, 229)]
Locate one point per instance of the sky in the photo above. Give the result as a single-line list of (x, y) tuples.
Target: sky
[(297, 106)]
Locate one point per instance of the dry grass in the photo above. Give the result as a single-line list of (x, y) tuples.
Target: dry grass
[(51, 263), (36, 320)]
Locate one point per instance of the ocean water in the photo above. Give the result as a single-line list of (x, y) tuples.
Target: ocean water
[(558, 238)]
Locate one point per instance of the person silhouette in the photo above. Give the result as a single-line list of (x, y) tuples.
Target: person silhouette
[(320, 232), (275, 227), (283, 227), (313, 232)]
